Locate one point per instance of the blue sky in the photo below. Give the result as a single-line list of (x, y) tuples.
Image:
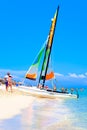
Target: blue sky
[(24, 26)]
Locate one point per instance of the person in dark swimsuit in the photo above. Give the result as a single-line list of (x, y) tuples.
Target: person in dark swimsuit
[(6, 82)]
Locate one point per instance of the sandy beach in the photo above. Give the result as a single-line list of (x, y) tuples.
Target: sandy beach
[(23, 112), (11, 104)]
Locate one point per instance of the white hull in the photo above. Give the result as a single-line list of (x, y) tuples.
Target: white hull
[(44, 93)]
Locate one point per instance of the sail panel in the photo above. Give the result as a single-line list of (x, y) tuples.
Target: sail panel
[(45, 61), (45, 65), (37, 60), (31, 76), (33, 70), (52, 29), (50, 75)]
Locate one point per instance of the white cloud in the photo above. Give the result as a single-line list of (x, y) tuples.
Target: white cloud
[(74, 75), (81, 76), (86, 73), (58, 74)]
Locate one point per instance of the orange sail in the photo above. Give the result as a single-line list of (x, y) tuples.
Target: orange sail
[(31, 76), (50, 75)]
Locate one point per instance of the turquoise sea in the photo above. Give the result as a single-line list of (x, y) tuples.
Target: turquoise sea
[(51, 114)]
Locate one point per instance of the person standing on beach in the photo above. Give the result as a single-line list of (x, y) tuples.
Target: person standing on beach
[(8, 81)]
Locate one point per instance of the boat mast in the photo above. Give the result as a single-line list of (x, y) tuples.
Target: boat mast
[(49, 45)]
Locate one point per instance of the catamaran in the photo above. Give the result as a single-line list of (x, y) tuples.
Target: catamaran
[(41, 90)]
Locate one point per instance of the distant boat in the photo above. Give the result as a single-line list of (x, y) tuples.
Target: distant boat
[(41, 90)]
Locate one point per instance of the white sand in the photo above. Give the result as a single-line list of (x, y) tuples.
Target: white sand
[(12, 104)]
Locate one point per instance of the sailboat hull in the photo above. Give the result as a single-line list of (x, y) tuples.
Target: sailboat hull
[(34, 91)]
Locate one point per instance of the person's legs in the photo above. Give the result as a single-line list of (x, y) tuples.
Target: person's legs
[(6, 86), (11, 88), (10, 85)]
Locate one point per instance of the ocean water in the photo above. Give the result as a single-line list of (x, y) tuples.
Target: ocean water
[(51, 114), (78, 109)]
